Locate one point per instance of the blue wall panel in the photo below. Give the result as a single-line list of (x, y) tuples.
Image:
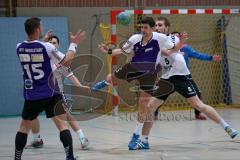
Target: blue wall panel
[(12, 32)]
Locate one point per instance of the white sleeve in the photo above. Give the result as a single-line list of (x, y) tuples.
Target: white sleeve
[(65, 71), (165, 42), (18, 45), (177, 40), (129, 45), (53, 53)]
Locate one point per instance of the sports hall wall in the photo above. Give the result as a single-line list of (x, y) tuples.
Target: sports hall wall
[(80, 15), (12, 32)]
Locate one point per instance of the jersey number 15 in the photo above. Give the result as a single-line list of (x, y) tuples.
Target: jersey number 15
[(36, 68)]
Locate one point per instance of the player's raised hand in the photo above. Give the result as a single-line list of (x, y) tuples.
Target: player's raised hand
[(103, 48), (78, 37), (217, 58), (48, 35)]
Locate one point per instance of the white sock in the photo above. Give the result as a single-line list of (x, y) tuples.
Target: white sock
[(144, 138), (37, 137), (223, 123), (138, 129), (80, 134)]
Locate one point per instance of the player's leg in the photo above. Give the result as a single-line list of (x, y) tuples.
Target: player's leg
[(184, 86), (166, 87), (153, 105), (198, 115), (212, 114), (146, 82), (158, 97), (148, 123), (21, 138), (30, 111), (75, 126), (142, 143), (37, 140), (35, 128), (156, 113), (121, 73), (163, 91), (55, 110), (65, 135), (141, 118)]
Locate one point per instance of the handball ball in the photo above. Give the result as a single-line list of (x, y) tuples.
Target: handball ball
[(123, 18)]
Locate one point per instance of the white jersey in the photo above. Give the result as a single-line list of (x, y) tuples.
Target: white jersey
[(173, 64)]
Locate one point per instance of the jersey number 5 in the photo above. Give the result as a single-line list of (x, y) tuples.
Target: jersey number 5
[(35, 69), (166, 61)]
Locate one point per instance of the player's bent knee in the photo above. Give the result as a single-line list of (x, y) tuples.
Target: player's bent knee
[(199, 105), (154, 103), (195, 101)]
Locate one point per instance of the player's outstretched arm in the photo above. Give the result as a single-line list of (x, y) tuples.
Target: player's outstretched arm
[(192, 53), (182, 39), (198, 55), (66, 72), (77, 83), (125, 47), (104, 49), (75, 40)]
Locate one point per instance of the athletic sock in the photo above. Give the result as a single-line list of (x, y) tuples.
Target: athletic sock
[(66, 139), (37, 137), (138, 129), (223, 123), (144, 139), (80, 134), (20, 142)]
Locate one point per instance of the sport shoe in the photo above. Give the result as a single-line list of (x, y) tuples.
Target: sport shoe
[(231, 131), (140, 145), (156, 115), (72, 158), (133, 141), (84, 143), (35, 144), (100, 85)]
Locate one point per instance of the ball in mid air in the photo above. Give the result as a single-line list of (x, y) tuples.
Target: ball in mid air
[(123, 18)]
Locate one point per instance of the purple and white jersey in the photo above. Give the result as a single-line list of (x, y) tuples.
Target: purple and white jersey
[(38, 61), (148, 52)]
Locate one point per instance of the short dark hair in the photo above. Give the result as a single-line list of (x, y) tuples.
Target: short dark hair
[(56, 37), (148, 20), (31, 25), (176, 32), (166, 21)]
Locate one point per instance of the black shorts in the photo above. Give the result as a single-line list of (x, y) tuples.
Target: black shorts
[(130, 72), (52, 106), (184, 85), (194, 85)]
